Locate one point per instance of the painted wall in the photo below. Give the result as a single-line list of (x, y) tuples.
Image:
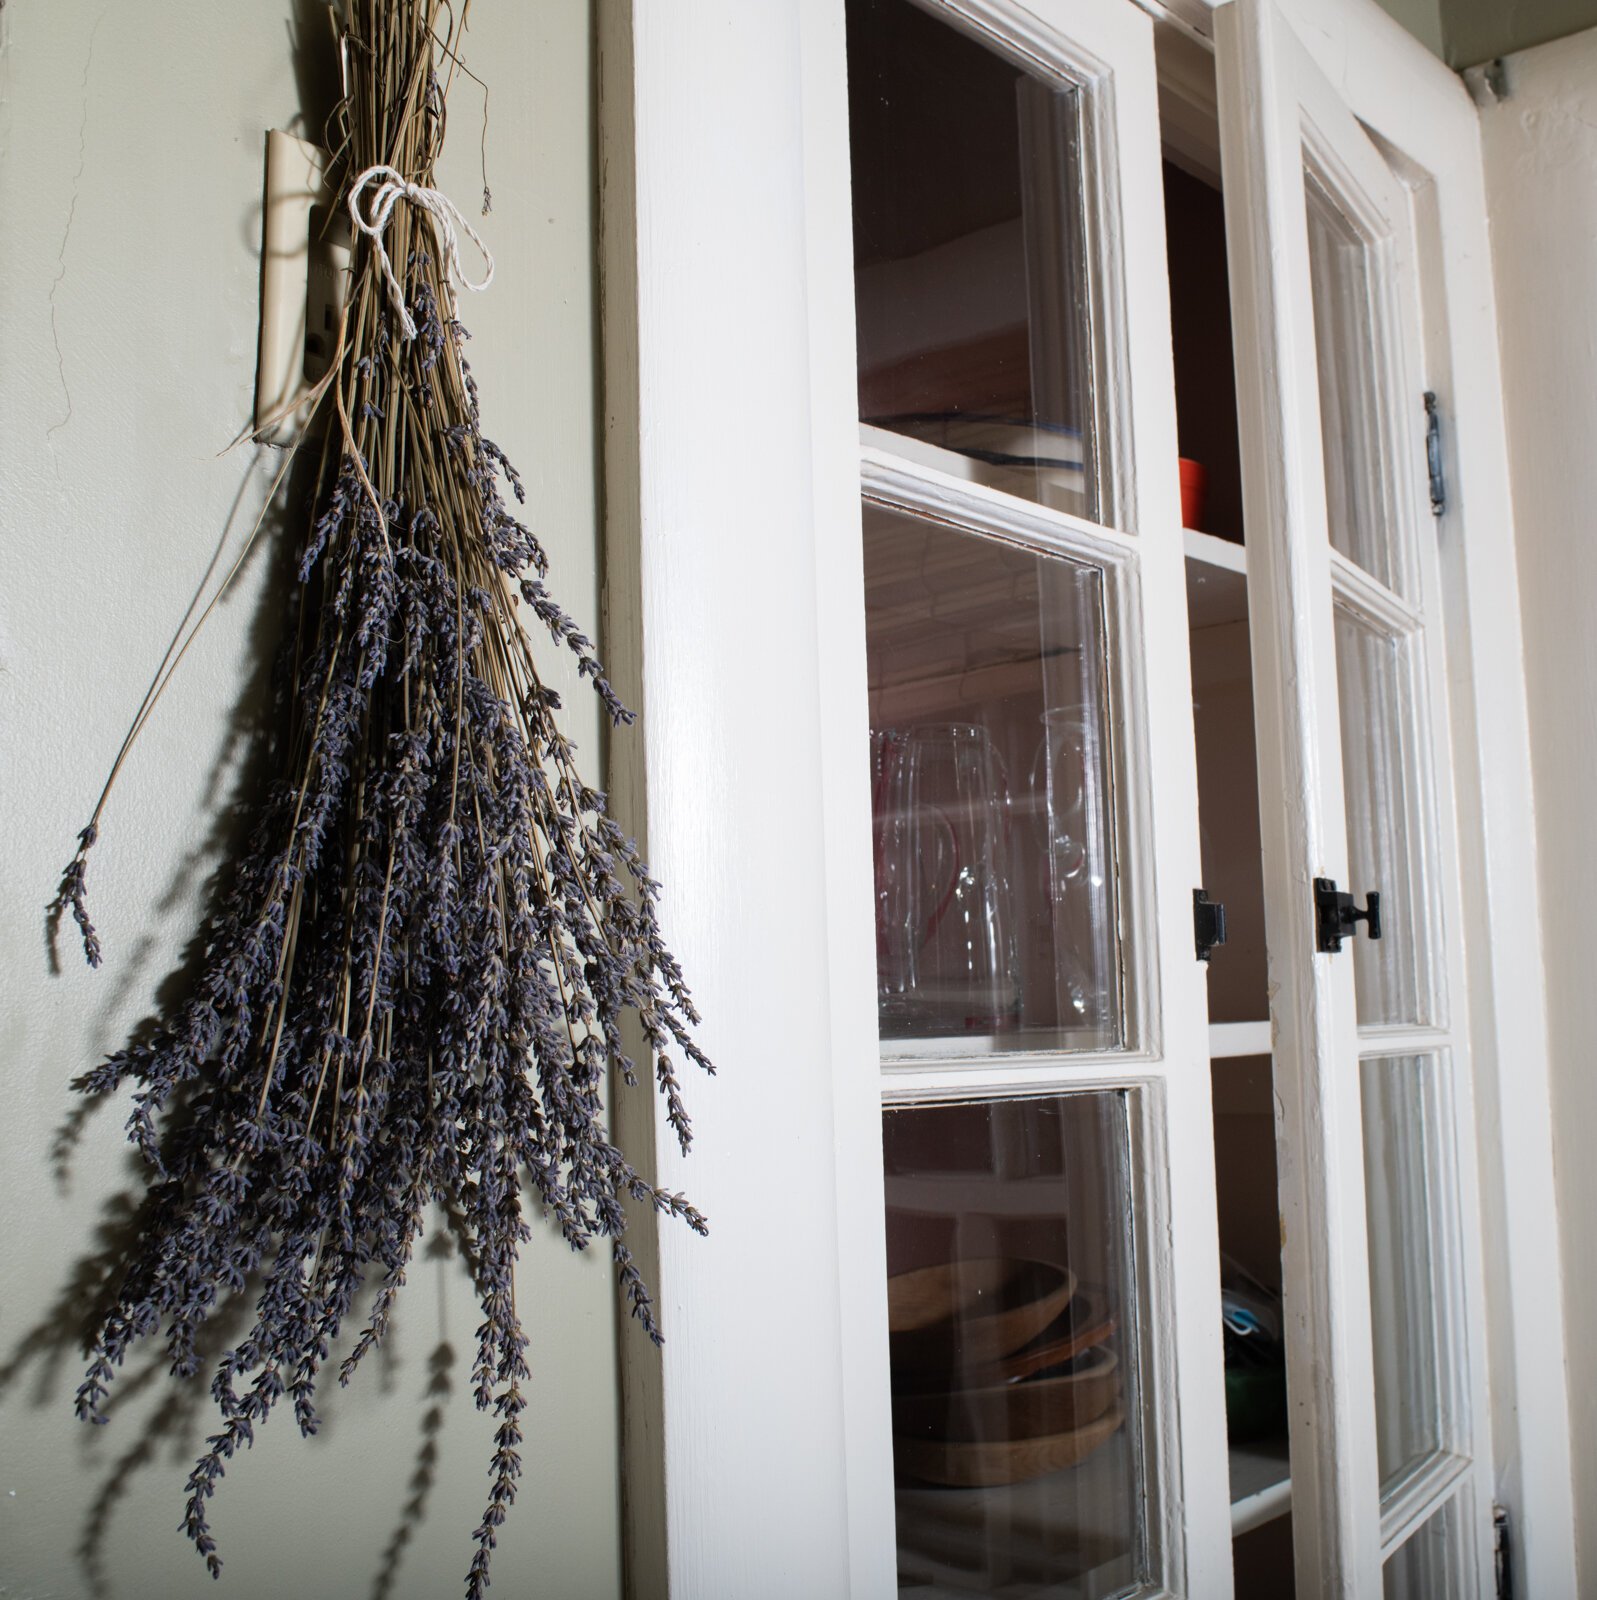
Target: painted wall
[(1422, 18), (1541, 170), (1478, 30), (1465, 32), (130, 181)]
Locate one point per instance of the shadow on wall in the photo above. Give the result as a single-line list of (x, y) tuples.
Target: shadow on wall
[(172, 1436)]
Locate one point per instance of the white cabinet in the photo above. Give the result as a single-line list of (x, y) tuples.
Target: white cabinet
[(929, 793)]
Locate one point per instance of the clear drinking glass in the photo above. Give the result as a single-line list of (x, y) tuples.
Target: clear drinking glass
[(1067, 775), (996, 870), (946, 950)]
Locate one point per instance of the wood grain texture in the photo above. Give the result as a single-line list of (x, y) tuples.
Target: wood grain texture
[(984, 1463)]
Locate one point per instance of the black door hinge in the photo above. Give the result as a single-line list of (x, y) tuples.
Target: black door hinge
[(1502, 1553), (1433, 453), (1208, 923), (1336, 915)]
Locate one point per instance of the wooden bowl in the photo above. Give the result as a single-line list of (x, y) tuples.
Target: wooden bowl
[(981, 1465), (1031, 1408), (969, 1312), (1087, 1321)]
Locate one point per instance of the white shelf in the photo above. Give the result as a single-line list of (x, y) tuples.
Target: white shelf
[(1261, 1483), (1214, 551), (1238, 1039)]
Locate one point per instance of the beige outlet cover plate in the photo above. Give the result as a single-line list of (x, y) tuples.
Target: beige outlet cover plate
[(304, 273)]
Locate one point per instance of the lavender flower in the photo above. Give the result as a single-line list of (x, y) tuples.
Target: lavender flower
[(413, 989)]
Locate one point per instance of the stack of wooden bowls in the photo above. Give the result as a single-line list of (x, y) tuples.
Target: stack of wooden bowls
[(1001, 1371)]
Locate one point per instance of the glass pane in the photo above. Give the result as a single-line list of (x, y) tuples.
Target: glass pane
[(1377, 688), (1228, 788), (1012, 1318), (995, 892), (1429, 1564), (970, 278), (1408, 1204), (1349, 339)]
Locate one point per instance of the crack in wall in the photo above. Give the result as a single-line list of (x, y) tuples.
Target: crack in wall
[(66, 233)]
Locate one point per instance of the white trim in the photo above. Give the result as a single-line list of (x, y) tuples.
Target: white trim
[(845, 733), (1419, 1499), (927, 491), (1370, 599), (917, 1084), (1402, 1041), (719, 487), (1320, 1136)]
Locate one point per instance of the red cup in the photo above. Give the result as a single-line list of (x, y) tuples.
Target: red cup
[(1194, 485)]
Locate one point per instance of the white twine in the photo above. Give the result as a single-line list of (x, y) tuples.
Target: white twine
[(394, 188)]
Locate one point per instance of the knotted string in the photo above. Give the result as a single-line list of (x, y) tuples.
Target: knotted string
[(393, 188)]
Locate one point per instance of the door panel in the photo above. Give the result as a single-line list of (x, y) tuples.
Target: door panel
[(1325, 1280), (1035, 842), (1383, 1360)]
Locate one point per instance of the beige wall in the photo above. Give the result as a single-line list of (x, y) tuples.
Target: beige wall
[(130, 178), (1465, 32), (1422, 18), (1478, 30), (1541, 168)]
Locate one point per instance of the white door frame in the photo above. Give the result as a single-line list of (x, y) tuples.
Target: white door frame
[(731, 475), (1295, 697), (1276, 107), (749, 1454)]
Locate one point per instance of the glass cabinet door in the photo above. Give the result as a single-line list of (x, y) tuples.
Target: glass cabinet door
[(1391, 1487), (938, 839), (1041, 1014)]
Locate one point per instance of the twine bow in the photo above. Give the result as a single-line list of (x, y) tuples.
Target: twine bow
[(393, 188)]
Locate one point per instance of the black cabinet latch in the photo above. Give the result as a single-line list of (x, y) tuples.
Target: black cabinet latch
[(1208, 923), (1337, 916)]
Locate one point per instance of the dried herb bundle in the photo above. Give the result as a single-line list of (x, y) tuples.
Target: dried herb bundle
[(413, 992)]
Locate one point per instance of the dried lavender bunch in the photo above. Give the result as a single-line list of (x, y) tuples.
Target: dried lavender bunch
[(413, 992)]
